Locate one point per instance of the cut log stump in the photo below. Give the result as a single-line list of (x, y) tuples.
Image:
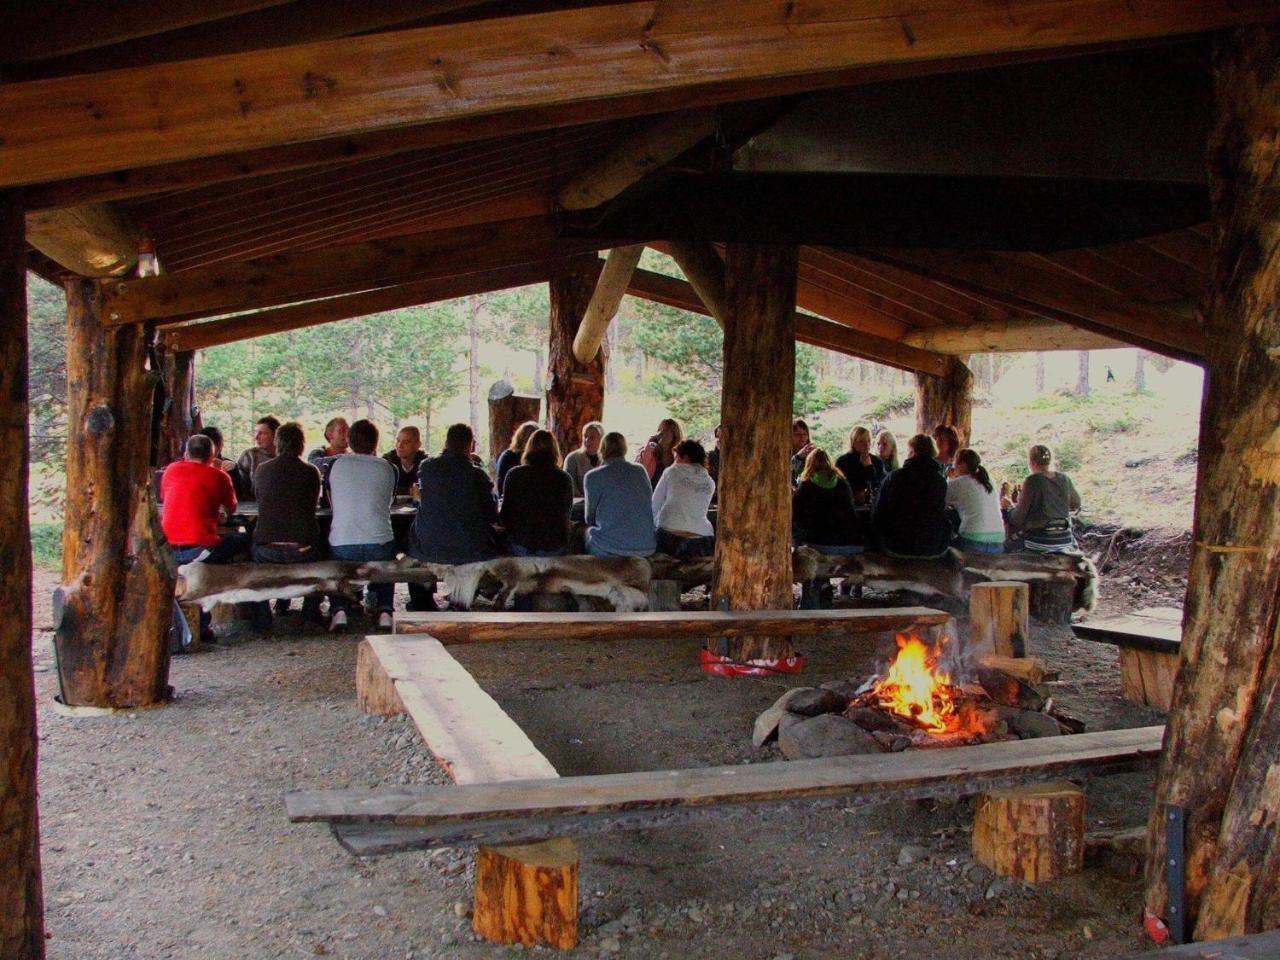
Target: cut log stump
[(528, 894), (664, 595), (1052, 601), (1031, 833), (1000, 613), (1148, 677)]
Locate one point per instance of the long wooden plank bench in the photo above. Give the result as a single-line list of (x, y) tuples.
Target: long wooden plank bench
[(1259, 946), (569, 805), (456, 628), (1150, 641)]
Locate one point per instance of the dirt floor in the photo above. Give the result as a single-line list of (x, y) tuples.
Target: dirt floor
[(164, 833)]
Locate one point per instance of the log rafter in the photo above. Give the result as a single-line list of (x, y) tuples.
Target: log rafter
[(342, 87)]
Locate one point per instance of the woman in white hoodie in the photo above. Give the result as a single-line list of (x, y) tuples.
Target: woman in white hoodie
[(680, 503)]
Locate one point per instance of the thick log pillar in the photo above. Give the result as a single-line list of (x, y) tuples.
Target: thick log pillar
[(575, 393), (178, 418), (21, 901), (947, 399), (507, 410), (1221, 761), (753, 541), (117, 572)]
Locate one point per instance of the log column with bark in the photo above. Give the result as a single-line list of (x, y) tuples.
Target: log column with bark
[(178, 417), (1221, 760), (575, 394), (947, 399), (507, 410), (21, 903), (117, 571), (753, 542)]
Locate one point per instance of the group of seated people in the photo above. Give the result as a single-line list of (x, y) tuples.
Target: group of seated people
[(939, 497)]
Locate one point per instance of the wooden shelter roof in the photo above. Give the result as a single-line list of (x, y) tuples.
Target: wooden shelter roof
[(363, 195)]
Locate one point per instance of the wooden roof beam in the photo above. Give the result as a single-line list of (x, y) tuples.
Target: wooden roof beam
[(637, 156), (816, 331), (1019, 281), (349, 268), (196, 108), (611, 287), (1009, 336), (198, 336), (92, 239)]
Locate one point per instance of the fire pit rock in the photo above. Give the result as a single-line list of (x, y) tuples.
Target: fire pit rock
[(826, 735), (814, 703)]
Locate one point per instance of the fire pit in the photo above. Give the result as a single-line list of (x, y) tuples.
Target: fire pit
[(925, 697)]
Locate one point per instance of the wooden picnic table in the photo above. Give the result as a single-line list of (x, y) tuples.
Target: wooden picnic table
[(246, 511)]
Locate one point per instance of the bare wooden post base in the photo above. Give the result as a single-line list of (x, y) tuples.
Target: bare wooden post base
[(1031, 833), (375, 691), (528, 894), (1052, 600), (1148, 677), (999, 612)]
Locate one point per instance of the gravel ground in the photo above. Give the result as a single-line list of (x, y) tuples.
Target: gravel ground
[(164, 833)]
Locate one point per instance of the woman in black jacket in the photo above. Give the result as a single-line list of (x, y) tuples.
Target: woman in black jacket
[(536, 500), (910, 512), (822, 513)]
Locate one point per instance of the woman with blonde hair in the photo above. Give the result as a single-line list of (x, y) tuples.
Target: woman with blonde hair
[(887, 451), (863, 469), (822, 511), (1042, 518), (659, 452), (510, 457), (537, 499)]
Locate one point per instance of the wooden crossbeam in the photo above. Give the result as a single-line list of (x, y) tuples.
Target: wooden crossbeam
[(1000, 336), (457, 628), (564, 806), (637, 156), (91, 239), (302, 275), (809, 329), (175, 111), (1017, 280), (198, 336), (611, 287)]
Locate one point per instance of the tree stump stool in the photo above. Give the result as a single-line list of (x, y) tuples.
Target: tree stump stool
[(1000, 614), (1052, 601), (1031, 833), (528, 894)]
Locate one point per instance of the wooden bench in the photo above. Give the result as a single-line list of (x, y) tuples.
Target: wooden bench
[(1259, 946), (1149, 640)]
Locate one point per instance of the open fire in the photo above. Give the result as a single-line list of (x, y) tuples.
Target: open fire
[(925, 697)]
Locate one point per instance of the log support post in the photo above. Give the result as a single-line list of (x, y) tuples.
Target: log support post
[(947, 399), (1031, 833), (178, 415), (507, 410), (575, 393), (111, 627), (21, 900), (753, 542), (1221, 760)]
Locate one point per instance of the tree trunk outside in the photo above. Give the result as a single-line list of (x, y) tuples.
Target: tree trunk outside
[(946, 400), (21, 899), (1221, 761), (1140, 372), (610, 374), (1039, 373), (537, 373), (575, 393), (1082, 373), (753, 543), (117, 571), (474, 305)]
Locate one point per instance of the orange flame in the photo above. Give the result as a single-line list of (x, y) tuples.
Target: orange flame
[(918, 689)]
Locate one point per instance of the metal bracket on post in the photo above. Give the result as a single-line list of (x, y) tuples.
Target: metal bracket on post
[(1175, 871)]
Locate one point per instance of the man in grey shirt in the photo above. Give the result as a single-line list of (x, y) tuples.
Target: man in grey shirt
[(361, 488), (586, 457), (619, 504)]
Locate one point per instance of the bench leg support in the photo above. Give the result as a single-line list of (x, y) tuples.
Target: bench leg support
[(1031, 833), (528, 894), (375, 691)]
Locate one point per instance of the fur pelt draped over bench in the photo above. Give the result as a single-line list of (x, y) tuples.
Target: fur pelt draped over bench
[(623, 582)]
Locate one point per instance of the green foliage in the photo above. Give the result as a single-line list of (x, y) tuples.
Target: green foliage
[(46, 544), (47, 392), (1069, 454), (1124, 423), (893, 406)]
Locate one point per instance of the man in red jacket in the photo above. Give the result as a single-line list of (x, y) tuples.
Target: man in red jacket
[(193, 491)]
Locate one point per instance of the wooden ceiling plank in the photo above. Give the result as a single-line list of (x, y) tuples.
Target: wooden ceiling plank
[(78, 125), (680, 294), (1146, 262), (1185, 246), (1057, 296), (853, 313), (159, 178), (198, 336), (91, 240), (907, 316), (38, 31), (913, 310), (290, 277), (1088, 265)]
